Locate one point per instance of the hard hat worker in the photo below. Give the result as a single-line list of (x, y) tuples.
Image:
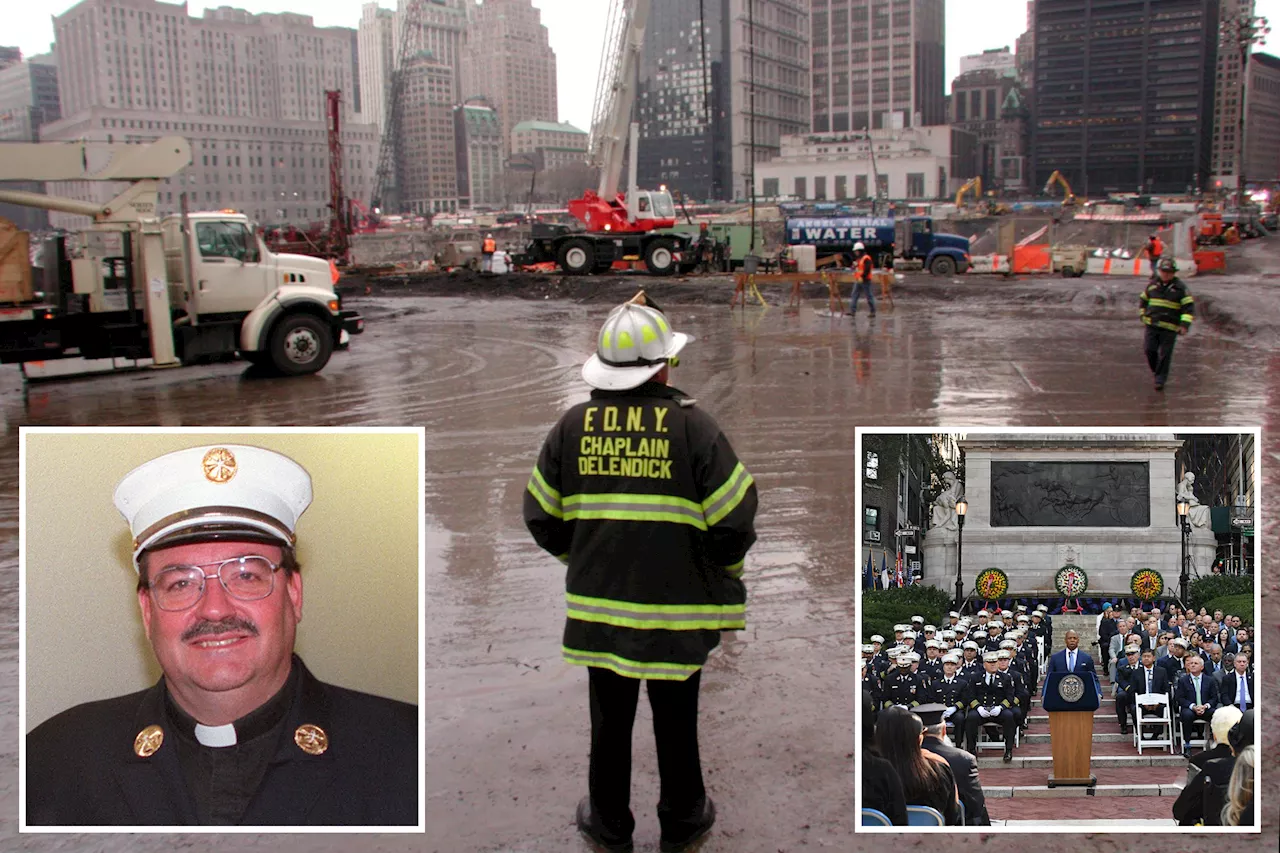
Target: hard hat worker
[(862, 268), (238, 731), (1167, 311), (487, 249), (1154, 250), (639, 492)]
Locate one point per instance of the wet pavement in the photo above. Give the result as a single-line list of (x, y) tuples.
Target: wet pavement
[(507, 722)]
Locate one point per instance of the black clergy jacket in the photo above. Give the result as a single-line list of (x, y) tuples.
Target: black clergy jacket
[(82, 768)]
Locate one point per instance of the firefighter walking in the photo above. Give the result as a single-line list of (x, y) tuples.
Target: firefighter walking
[(862, 268), (1167, 311), (641, 495)]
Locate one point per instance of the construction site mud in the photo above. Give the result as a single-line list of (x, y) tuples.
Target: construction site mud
[(507, 731)]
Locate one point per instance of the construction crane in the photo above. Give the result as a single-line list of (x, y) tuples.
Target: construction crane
[(1068, 198), (388, 181), (619, 225)]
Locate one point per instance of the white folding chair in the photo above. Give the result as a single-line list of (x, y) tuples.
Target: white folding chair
[(988, 732), (1202, 741), (1162, 719)]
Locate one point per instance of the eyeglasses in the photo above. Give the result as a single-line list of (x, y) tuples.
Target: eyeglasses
[(247, 578)]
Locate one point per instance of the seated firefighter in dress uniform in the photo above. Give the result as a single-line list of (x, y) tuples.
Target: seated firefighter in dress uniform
[(237, 731), (991, 702)]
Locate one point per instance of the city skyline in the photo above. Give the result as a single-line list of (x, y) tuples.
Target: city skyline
[(972, 26)]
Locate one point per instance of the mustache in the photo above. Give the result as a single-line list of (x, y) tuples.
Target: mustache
[(222, 626)]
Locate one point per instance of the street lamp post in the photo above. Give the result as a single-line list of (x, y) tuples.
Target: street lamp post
[(1240, 33), (962, 507), (1184, 525)]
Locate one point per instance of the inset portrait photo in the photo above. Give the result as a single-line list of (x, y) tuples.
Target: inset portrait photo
[(168, 677)]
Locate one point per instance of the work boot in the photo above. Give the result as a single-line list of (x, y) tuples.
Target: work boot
[(703, 825), (590, 825), (1008, 753)]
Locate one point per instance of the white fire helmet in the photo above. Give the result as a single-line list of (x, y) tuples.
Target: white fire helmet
[(635, 342)]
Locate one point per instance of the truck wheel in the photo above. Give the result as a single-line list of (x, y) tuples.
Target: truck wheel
[(659, 257), (942, 265), (577, 256), (300, 344)]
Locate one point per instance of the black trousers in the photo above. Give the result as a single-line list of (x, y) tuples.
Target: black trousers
[(675, 730), (1104, 649), (1124, 708), (1159, 349), (1006, 721)]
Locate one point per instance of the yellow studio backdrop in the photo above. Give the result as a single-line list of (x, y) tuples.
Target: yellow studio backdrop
[(357, 545)]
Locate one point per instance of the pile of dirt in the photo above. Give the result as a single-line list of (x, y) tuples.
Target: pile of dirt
[(699, 290)]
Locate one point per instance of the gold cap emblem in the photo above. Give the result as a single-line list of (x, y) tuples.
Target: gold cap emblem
[(219, 465), (148, 741), (311, 739)]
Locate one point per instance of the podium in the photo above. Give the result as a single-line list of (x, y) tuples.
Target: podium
[(1070, 698)]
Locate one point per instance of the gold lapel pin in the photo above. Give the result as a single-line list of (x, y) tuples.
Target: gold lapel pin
[(311, 739), (148, 741)]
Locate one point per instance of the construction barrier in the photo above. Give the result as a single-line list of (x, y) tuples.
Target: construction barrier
[(1211, 260), (1134, 267), (1033, 258), (990, 264)]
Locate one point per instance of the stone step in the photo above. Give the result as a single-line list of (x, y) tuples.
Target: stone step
[(1098, 737), (1036, 702), (1123, 811), (1099, 790), (1114, 777), (1130, 759)]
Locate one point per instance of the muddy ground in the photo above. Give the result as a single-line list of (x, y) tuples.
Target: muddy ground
[(507, 722)]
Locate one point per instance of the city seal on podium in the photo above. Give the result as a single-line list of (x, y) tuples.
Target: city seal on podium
[(1071, 688)]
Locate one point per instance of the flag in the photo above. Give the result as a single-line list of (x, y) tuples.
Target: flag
[(901, 566), (870, 579), (884, 572), (899, 573)]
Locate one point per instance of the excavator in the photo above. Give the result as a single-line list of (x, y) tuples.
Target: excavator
[(972, 186), (986, 205), (1068, 198)]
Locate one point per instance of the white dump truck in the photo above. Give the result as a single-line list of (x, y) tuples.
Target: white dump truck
[(174, 290)]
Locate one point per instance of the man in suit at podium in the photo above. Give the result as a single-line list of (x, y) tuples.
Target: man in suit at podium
[(1197, 698), (1072, 659)]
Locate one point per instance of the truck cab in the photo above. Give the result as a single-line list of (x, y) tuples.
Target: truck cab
[(941, 254)]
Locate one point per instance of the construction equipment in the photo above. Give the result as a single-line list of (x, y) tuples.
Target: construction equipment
[(618, 225), (1068, 198), (388, 181), (911, 239), (973, 186), (188, 287)]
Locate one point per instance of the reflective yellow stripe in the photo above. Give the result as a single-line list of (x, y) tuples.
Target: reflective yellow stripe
[(1187, 318), (547, 497), (1163, 303), (630, 668), (735, 570), (627, 507), (724, 499), (649, 617)]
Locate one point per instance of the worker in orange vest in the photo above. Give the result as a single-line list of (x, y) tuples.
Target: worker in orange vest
[(862, 266), (487, 248), (1155, 249)]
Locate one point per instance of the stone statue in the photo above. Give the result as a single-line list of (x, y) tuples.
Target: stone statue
[(944, 505), (1198, 514)]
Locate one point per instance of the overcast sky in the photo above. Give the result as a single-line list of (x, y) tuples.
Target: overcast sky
[(576, 28)]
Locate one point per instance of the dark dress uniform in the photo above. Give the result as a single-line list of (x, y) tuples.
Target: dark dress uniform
[(953, 694), (871, 684), (970, 669), (1166, 308), (1021, 696), (1124, 694), (335, 757), (905, 688), (997, 691), (931, 670)]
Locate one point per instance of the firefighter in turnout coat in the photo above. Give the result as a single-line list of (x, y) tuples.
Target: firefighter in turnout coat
[(640, 494), (1167, 312)]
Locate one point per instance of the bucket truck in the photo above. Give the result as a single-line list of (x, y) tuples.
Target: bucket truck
[(175, 290), (618, 225)]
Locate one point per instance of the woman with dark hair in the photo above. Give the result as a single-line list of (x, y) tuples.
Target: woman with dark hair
[(926, 777), (1224, 637), (881, 787)]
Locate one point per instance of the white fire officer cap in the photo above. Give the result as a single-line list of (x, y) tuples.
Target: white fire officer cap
[(226, 491), (876, 638), (634, 343), (951, 658)]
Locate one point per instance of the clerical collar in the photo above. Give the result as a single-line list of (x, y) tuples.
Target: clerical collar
[(257, 722)]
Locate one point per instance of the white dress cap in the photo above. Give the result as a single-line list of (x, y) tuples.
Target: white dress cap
[(212, 492)]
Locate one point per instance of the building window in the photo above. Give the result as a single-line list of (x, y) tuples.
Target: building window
[(842, 187), (771, 187), (860, 186), (915, 185), (820, 187), (800, 189)]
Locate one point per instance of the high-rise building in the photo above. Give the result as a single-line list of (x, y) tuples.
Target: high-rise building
[(554, 144), (377, 58), (768, 81), (682, 102), (248, 92), (1262, 116), (10, 56), (442, 30), (28, 100), (986, 100), (480, 154), (878, 65), (1124, 94), (1026, 50), (508, 60), (1226, 105), (429, 170)]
